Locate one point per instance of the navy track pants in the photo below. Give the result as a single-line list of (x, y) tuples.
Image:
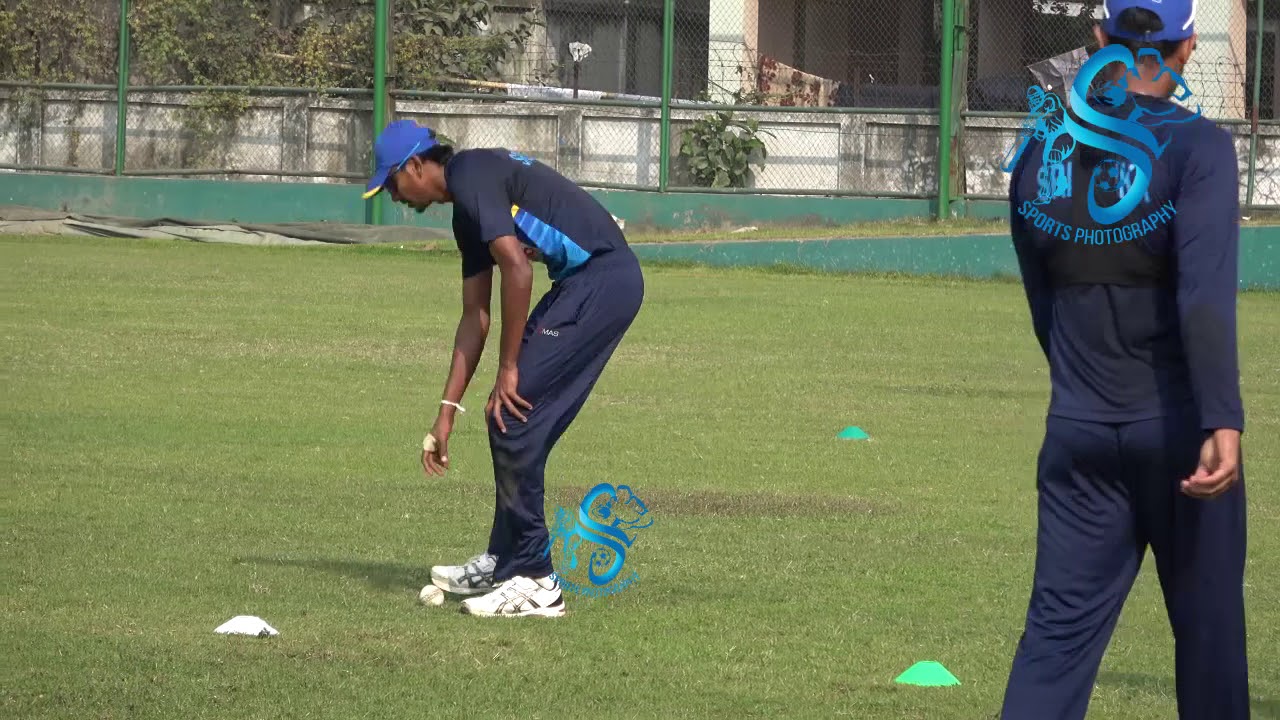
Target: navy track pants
[(1106, 493), (570, 336)]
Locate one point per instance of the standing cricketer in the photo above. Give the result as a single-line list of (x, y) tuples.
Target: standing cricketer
[(508, 210), (1142, 438)]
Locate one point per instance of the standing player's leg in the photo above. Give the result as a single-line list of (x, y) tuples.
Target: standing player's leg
[(521, 491), (519, 460), (559, 366), (1199, 548), (475, 576), (500, 533), (1088, 552)]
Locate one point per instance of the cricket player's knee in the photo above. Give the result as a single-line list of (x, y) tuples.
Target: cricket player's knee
[(507, 454), (517, 452)]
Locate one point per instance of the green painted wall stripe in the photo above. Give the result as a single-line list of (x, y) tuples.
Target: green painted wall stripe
[(968, 255), (981, 256), (260, 202), (271, 202), (202, 200), (677, 211)]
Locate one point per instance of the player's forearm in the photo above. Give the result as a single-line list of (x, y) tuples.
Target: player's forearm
[(468, 346), (517, 288)]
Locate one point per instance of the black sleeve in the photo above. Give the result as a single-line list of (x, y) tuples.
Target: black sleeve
[(1206, 237), (1035, 276), (478, 184), (475, 254)]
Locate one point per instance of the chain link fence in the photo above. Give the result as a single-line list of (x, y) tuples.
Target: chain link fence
[(573, 84), (1268, 103), (1262, 57), (1016, 44), (833, 97), (842, 95), (58, 84), (1007, 38), (250, 89)]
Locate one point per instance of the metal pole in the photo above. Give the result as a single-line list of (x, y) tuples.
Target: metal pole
[(122, 87), (945, 117), (668, 55), (380, 12), (626, 35), (957, 184), (1257, 98)]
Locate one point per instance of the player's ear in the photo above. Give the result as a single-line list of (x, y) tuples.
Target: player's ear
[(1180, 57), (1185, 48), (414, 166)]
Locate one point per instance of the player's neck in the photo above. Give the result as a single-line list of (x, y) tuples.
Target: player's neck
[(1160, 89), (1152, 90)]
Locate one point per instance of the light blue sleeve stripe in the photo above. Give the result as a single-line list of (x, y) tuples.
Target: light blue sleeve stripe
[(560, 252)]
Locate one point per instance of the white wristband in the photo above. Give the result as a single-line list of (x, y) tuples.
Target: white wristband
[(454, 404)]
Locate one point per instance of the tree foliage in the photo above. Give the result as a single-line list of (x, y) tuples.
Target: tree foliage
[(255, 42), (248, 43), (58, 40)]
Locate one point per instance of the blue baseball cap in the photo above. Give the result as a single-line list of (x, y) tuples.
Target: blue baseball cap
[(1178, 17), (398, 142)]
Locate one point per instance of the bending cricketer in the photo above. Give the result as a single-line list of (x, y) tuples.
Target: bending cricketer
[(507, 210), (1142, 438)]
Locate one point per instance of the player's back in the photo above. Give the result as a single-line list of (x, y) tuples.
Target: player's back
[(545, 196), (1115, 338)]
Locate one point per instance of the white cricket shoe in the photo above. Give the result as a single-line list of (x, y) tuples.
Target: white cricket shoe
[(475, 577), (519, 597)]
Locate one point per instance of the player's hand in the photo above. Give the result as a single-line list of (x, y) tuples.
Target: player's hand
[(1219, 466), (504, 396), (436, 461)]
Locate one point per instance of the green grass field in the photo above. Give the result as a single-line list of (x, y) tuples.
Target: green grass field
[(198, 431)]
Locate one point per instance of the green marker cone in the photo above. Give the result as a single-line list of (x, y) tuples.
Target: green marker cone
[(853, 432), (927, 674)]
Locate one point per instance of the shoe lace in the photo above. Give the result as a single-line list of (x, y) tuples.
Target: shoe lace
[(474, 565), (513, 589)]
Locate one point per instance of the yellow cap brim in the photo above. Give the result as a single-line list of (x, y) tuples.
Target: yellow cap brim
[(372, 192)]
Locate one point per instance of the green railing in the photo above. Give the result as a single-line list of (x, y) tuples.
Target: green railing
[(950, 119)]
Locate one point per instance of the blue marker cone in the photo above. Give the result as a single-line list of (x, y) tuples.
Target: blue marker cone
[(853, 432), (927, 674)]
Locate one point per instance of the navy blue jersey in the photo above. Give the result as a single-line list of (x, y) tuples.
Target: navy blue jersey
[(497, 192), (1130, 351)]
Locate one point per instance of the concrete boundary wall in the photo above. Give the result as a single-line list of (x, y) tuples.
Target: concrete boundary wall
[(332, 138), (982, 256), (603, 146)]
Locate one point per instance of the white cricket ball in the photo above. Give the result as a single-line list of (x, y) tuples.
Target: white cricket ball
[(431, 595)]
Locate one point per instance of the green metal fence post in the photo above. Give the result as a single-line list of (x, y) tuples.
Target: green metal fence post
[(668, 55), (1257, 97), (122, 87), (958, 184), (945, 116), (381, 10)]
